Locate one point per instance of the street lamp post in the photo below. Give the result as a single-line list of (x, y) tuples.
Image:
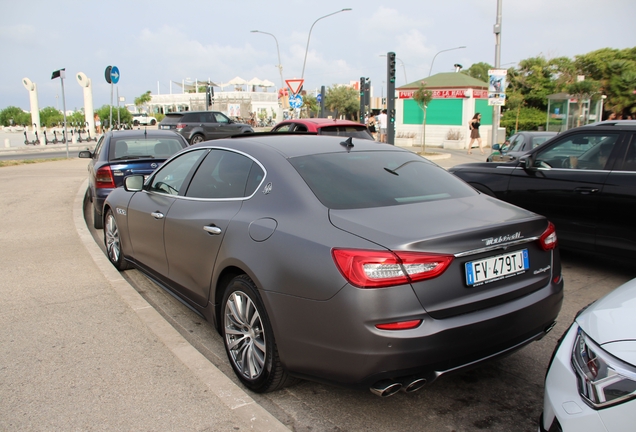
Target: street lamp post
[(406, 81), (280, 65), (302, 75), (433, 62)]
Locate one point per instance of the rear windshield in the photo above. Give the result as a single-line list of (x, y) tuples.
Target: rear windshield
[(172, 118), (131, 148), (377, 179), (348, 131)]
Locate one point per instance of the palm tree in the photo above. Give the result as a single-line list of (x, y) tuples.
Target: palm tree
[(423, 97)]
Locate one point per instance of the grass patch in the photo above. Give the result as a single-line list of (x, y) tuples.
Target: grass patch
[(5, 163)]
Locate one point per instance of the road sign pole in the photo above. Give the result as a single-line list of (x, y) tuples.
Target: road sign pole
[(110, 120)]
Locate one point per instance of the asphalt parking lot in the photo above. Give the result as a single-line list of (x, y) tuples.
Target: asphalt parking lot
[(53, 350), (505, 395)]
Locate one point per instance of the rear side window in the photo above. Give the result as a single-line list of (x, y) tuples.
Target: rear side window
[(225, 174), (377, 179)]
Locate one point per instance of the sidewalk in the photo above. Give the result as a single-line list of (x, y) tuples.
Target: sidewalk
[(80, 349)]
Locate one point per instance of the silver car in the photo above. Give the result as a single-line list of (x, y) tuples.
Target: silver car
[(344, 261)]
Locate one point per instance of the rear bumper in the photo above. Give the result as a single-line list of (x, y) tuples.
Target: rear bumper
[(336, 341)]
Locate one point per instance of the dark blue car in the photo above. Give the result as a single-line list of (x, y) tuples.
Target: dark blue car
[(122, 153)]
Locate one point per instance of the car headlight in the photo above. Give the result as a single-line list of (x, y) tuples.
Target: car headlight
[(603, 380)]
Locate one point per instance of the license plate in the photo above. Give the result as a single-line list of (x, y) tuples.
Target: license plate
[(497, 267), (165, 127)]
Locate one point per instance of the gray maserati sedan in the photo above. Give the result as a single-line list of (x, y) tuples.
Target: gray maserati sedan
[(343, 261)]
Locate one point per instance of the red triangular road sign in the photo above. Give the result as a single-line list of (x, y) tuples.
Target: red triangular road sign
[(295, 85)]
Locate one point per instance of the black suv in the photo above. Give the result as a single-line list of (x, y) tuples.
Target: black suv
[(583, 180), (198, 126)]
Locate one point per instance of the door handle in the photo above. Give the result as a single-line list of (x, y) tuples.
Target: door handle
[(215, 230), (157, 215), (585, 191)]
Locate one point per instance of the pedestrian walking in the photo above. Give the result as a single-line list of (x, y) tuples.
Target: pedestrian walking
[(382, 119), (371, 125), (98, 124), (474, 133)]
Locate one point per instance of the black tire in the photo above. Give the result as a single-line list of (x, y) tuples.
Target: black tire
[(135, 122), (196, 139), (249, 340), (112, 241), (98, 223), (153, 122)]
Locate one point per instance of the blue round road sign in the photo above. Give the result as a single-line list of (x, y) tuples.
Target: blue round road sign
[(295, 101), (114, 74)]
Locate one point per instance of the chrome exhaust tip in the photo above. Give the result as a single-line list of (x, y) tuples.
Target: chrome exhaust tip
[(385, 388), (414, 386)]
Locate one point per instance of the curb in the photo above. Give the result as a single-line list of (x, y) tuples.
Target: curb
[(240, 404)]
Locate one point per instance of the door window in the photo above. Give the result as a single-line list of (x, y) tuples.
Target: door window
[(629, 162), (581, 151), (220, 118), (169, 179)]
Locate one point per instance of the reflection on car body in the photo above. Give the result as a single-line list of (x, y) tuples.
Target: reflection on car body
[(340, 261)]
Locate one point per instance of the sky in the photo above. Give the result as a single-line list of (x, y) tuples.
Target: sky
[(154, 43)]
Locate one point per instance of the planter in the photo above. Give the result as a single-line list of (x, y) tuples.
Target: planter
[(454, 144), (404, 142)]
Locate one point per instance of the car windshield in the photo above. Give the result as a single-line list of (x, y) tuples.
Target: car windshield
[(348, 131), (377, 179), (131, 148)]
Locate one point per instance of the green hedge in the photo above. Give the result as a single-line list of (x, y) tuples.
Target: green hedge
[(530, 119)]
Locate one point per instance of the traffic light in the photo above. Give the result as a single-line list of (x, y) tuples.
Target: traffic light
[(367, 93), (392, 116), (390, 58), (362, 83), (210, 94)]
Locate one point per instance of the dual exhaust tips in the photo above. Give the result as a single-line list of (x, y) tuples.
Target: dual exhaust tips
[(386, 388)]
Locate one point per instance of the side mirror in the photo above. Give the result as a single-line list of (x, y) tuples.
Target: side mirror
[(85, 154), (134, 183), (526, 161), (496, 147)]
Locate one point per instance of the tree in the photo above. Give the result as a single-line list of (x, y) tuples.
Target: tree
[(343, 99), (479, 71), (50, 116), (311, 105), (143, 99), (423, 96), (583, 91), (15, 114)]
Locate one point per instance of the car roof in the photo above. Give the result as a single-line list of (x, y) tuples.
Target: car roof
[(629, 124), (322, 122), (294, 145)]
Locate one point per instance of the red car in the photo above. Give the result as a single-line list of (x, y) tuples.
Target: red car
[(323, 126)]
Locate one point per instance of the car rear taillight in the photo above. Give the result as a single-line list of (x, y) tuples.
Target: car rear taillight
[(400, 325), (380, 269), (180, 126), (104, 178), (548, 239)]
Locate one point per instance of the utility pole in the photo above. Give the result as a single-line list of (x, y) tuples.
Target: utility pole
[(496, 109)]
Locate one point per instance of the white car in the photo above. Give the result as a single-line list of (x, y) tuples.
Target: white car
[(591, 380), (143, 119)]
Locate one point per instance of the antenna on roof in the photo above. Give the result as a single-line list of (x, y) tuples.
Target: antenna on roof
[(348, 144)]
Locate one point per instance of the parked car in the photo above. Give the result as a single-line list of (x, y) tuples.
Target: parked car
[(345, 261), (583, 180), (143, 119), (323, 126), (591, 379), (519, 143), (120, 153), (199, 126)]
